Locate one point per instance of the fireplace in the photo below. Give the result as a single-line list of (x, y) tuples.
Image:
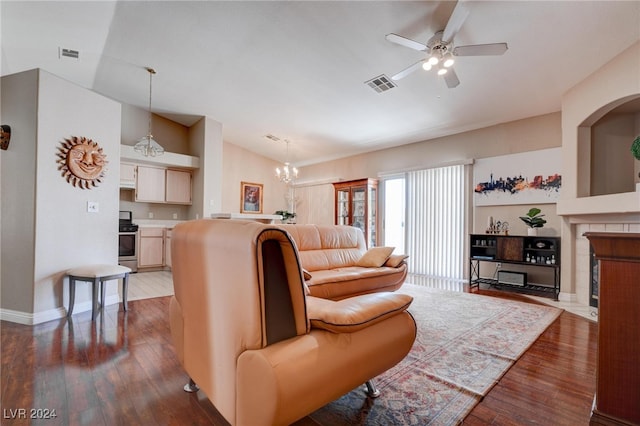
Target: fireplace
[(594, 282), (586, 272)]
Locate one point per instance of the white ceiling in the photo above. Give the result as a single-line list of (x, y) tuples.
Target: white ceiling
[(296, 69)]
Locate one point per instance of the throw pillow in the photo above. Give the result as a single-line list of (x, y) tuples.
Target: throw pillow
[(395, 260), (306, 274), (375, 257)]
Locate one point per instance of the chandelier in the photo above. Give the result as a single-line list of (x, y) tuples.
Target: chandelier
[(147, 146), (287, 173)]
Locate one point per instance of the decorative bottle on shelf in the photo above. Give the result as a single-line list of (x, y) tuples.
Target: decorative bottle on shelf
[(528, 258)]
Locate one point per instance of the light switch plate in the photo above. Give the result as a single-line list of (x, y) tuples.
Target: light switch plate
[(93, 207)]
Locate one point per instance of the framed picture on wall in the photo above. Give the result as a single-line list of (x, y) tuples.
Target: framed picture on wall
[(532, 177), (250, 197)]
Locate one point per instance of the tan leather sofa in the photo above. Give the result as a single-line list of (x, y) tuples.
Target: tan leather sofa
[(330, 254), (262, 351)]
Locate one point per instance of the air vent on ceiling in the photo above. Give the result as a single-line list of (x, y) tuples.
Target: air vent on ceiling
[(68, 53), (381, 83), (272, 138)]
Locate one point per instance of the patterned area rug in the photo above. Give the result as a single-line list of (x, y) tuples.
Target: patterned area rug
[(465, 344)]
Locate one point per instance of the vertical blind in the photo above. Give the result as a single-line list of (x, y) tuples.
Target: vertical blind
[(435, 222)]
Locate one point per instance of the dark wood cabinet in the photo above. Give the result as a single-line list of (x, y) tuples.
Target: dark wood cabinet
[(356, 204), (617, 399), (525, 252)]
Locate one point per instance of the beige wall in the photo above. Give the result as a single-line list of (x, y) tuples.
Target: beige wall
[(518, 136), (51, 230), (171, 135), (612, 85), (18, 188), (243, 165), (314, 190), (205, 140), (612, 166)]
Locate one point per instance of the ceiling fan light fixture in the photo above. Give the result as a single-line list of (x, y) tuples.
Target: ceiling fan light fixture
[(441, 50), (449, 61)]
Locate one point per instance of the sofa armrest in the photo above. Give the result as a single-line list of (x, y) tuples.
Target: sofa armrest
[(355, 313)]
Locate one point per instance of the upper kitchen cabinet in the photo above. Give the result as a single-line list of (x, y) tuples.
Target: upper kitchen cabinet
[(178, 186), (150, 184), (127, 175), (161, 185)]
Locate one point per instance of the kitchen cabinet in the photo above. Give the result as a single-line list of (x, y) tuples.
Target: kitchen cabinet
[(150, 184), (178, 186), (127, 175), (356, 204), (161, 185), (151, 252)]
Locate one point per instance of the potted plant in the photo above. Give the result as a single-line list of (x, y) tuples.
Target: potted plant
[(635, 148), (287, 217), (534, 220)]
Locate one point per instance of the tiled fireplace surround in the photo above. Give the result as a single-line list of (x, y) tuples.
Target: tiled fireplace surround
[(596, 223)]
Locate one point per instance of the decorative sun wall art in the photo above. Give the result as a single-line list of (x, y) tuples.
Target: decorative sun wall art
[(5, 136), (82, 162), (526, 178)]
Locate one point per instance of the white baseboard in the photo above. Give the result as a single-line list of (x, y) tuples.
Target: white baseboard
[(567, 297), (28, 318)]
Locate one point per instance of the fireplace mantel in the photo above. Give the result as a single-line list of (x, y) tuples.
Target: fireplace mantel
[(626, 204)]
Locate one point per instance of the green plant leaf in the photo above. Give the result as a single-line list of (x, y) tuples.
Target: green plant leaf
[(635, 148), (533, 211)]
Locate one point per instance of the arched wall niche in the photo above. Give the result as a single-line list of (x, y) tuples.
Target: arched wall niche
[(604, 142)]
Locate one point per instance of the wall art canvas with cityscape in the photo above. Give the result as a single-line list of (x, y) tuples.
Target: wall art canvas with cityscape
[(526, 178)]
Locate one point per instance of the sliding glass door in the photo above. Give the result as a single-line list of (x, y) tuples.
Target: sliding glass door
[(394, 213), (424, 217)]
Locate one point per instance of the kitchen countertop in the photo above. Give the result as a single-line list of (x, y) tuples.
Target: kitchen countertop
[(156, 223)]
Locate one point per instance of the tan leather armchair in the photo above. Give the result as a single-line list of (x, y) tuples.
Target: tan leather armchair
[(246, 334)]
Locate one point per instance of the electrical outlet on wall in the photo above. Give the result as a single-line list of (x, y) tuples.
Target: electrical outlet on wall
[(175, 215), (498, 265), (150, 215)]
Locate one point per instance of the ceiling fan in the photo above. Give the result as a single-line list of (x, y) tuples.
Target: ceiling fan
[(441, 51)]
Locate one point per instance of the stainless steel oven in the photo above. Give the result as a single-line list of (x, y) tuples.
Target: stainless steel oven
[(128, 241)]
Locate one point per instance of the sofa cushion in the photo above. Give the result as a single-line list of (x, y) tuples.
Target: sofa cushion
[(395, 260), (355, 313), (327, 246), (375, 257), (341, 283)]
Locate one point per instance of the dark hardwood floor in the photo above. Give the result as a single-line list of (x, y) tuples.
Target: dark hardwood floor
[(122, 370)]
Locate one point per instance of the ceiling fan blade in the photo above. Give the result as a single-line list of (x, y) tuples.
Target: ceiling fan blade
[(458, 16), (403, 41), (451, 78), (405, 72), (491, 49)]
